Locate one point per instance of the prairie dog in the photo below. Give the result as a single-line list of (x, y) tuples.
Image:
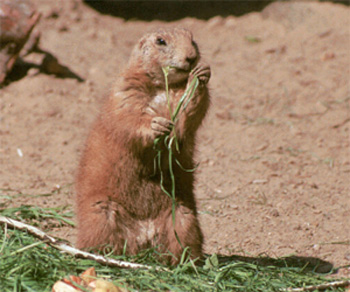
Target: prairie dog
[(119, 200)]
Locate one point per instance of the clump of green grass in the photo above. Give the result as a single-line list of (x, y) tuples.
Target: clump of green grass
[(28, 264), (35, 214)]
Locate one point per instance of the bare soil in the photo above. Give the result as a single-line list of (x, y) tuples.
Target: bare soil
[(274, 150)]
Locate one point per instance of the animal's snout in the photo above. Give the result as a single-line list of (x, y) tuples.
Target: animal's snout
[(191, 60)]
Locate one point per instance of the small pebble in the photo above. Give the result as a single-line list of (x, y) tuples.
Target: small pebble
[(274, 213), (19, 152)]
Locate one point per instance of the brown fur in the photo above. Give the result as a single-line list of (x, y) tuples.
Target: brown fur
[(119, 197)]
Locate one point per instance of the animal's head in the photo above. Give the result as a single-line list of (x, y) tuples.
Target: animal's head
[(172, 48)]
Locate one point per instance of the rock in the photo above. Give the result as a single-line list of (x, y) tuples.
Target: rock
[(17, 20)]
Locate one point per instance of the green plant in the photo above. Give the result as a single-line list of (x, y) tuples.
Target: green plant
[(171, 139)]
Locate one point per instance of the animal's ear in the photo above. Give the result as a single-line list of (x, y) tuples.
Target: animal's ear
[(141, 42)]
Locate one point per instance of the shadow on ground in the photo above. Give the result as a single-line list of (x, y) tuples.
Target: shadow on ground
[(174, 10), (170, 10), (49, 65), (306, 263)]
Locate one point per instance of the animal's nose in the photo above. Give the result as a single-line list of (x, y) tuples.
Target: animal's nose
[(191, 60)]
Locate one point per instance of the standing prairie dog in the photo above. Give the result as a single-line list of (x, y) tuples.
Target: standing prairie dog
[(120, 203)]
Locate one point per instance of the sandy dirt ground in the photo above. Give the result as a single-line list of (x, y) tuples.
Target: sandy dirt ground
[(274, 153)]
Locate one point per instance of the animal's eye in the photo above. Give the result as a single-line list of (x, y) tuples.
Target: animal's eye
[(161, 42)]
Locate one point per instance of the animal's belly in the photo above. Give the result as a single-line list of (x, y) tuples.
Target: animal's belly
[(144, 233)]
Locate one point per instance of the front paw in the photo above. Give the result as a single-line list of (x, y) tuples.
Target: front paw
[(161, 126), (202, 72)]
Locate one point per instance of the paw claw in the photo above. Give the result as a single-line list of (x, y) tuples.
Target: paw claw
[(161, 126), (203, 73)]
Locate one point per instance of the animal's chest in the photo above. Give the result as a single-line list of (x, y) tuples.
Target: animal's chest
[(161, 101)]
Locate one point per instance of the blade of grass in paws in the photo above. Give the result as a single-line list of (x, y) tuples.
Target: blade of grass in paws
[(189, 92), (166, 72), (168, 141)]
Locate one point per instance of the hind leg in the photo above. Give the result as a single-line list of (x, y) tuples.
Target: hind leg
[(188, 232), (98, 225)]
